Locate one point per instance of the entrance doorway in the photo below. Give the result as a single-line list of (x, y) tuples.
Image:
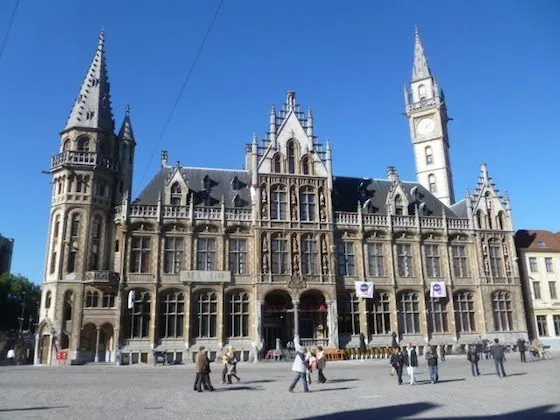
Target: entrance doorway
[(313, 319), (278, 319)]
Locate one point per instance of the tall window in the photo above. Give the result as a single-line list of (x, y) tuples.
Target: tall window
[(73, 245), (495, 260), (548, 264), (438, 315), (429, 155), (139, 316), (309, 255), (537, 290), (346, 258), (375, 260), (83, 144), (459, 257), (348, 314), (108, 300), (173, 255), (207, 307), (409, 313), (276, 164), (542, 326), (305, 165), (399, 208), (238, 256), (176, 194), (464, 312), (171, 314), (501, 306), (533, 264), (48, 298), (432, 183), (237, 323), (422, 92), (307, 204), (140, 255), (432, 260), (291, 157), (278, 203), (379, 313), (54, 246), (92, 299), (556, 321), (279, 255), (95, 240), (501, 220), (206, 254), (552, 289), (404, 260)]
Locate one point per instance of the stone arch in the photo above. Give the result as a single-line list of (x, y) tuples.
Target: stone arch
[(88, 340), (45, 337), (277, 319), (174, 227), (106, 349), (83, 144)]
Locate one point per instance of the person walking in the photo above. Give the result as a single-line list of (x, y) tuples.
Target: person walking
[(321, 363), (224, 363), (522, 349), (411, 362), (231, 365), (397, 362), (202, 366), (473, 357), (432, 358), (300, 368), (499, 355), (11, 356)]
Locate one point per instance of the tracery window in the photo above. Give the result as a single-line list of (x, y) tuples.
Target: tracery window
[(503, 316), (171, 314), (237, 322)]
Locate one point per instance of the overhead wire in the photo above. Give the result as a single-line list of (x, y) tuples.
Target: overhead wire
[(10, 24), (182, 89)]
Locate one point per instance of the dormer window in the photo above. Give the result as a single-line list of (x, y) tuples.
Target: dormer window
[(291, 157), (237, 201), (176, 194), (176, 188), (276, 164), (399, 208), (83, 144), (305, 165)]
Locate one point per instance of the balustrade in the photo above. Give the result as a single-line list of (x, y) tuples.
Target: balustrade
[(374, 220), (344, 218), (431, 222), (83, 158), (403, 221), (457, 223)]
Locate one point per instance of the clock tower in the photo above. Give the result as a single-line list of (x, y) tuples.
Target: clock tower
[(427, 115)]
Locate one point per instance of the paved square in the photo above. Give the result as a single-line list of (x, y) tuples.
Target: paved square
[(355, 390)]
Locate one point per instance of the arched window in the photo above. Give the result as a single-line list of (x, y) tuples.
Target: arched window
[(305, 165), (379, 313), (479, 219), (66, 145), (399, 208), (348, 314), (48, 297), (67, 307), (429, 155), (108, 300), (309, 255), (92, 299), (95, 243), (206, 313), (237, 322), (175, 198), (291, 157), (171, 314), (464, 312), (54, 245), (83, 144), (432, 183), (73, 249), (437, 311), (279, 255), (307, 204), (79, 183), (139, 314), (503, 316), (278, 203), (277, 164), (501, 220), (173, 254), (422, 92), (409, 313), (495, 251)]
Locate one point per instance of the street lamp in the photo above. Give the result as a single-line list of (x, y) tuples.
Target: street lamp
[(21, 317)]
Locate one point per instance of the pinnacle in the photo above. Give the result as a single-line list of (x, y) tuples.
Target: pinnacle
[(420, 69), (126, 132)]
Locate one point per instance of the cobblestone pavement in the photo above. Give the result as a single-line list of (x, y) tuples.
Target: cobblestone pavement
[(355, 390)]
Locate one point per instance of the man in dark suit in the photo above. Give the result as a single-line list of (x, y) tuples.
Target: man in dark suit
[(499, 355), (522, 349)]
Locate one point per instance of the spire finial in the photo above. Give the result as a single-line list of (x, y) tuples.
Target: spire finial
[(127, 110), (420, 69)]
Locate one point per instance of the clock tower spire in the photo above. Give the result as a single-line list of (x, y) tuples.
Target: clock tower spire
[(427, 115)]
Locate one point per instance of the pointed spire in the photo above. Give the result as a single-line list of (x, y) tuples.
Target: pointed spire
[(420, 69), (126, 133), (93, 106)]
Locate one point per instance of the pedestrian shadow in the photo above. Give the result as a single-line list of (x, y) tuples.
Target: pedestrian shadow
[(389, 412), (443, 381), (336, 381), (341, 388), (6, 410), (238, 388), (517, 374), (260, 381)]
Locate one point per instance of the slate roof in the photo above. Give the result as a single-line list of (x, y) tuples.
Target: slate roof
[(537, 240), (460, 208), (347, 192), (209, 186)]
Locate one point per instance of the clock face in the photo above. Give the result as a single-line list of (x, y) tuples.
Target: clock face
[(425, 126)]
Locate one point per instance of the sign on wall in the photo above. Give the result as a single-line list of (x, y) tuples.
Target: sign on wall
[(364, 289), (438, 289), (195, 276)]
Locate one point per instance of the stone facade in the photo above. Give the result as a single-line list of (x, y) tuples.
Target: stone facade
[(268, 255)]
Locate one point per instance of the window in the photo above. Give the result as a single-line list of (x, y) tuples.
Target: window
[(552, 288), (464, 312), (542, 326), (278, 203), (73, 249), (348, 314), (375, 260), (171, 314), (95, 240), (176, 194), (346, 258), (83, 144), (305, 165), (140, 255), (291, 157), (92, 299), (54, 246), (459, 256), (237, 323), (276, 164), (409, 313), (108, 300), (501, 220), (66, 145), (495, 261), (206, 254), (432, 260), (102, 188), (279, 255), (207, 306), (429, 155), (479, 219), (533, 264), (238, 256), (556, 321), (399, 208), (548, 264), (307, 204), (432, 183), (422, 92), (139, 315), (501, 306), (404, 260), (537, 290), (309, 255), (379, 313), (79, 183), (173, 255), (438, 315), (48, 297)]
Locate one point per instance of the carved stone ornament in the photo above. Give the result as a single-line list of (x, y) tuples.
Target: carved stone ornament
[(322, 207), (297, 283)]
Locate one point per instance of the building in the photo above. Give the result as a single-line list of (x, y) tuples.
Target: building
[(6, 252), (272, 252), (539, 268)]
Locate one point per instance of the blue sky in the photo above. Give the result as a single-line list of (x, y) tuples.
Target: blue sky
[(497, 61)]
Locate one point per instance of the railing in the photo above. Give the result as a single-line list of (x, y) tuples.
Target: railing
[(374, 220), (101, 276), (83, 158), (238, 214), (177, 212), (348, 218), (404, 221), (457, 223), (183, 212), (343, 218), (314, 342), (207, 213), (143, 211), (426, 103), (431, 222)]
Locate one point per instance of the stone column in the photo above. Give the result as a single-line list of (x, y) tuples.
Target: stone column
[(258, 329), (220, 330), (363, 318), (98, 332), (332, 322), (296, 323)]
